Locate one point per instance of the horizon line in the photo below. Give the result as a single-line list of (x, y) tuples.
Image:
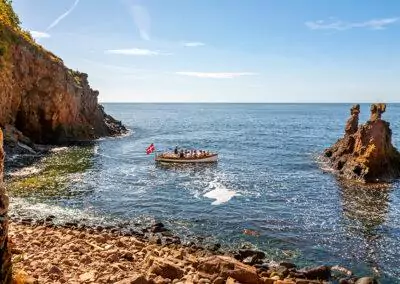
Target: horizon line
[(125, 102)]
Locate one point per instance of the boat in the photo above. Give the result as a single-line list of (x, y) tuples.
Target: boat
[(173, 158)]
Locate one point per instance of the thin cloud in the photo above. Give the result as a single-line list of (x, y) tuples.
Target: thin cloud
[(136, 52), (141, 18), (193, 44), (60, 18), (39, 35), (375, 24), (216, 75)]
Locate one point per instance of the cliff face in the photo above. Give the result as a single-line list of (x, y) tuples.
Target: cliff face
[(5, 255), (45, 100), (366, 153)]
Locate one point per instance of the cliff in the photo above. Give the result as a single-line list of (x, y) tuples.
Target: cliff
[(5, 255), (41, 97), (366, 152)]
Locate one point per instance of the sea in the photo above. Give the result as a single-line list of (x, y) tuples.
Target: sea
[(270, 179)]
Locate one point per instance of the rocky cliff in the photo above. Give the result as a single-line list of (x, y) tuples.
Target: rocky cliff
[(5, 256), (366, 153), (41, 97)]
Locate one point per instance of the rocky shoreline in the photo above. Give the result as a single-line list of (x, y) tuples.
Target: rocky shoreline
[(75, 253)]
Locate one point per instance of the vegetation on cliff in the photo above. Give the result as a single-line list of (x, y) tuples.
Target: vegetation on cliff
[(40, 97)]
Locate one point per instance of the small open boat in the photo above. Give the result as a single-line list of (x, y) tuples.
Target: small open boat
[(172, 158)]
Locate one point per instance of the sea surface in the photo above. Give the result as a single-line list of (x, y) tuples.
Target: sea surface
[(270, 178)]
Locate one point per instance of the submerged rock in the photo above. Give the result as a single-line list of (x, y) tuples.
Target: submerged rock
[(366, 153)]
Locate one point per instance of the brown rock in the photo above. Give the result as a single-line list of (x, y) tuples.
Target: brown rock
[(321, 273), (366, 280), (55, 270), (366, 152), (165, 268), (227, 266), (219, 280), (88, 276)]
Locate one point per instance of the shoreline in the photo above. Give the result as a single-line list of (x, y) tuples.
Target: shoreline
[(153, 235), (73, 253)]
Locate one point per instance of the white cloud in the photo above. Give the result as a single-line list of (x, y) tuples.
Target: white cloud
[(375, 24), (136, 52), (193, 44), (39, 35), (216, 75), (58, 20)]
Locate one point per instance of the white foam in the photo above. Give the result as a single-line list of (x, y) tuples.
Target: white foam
[(27, 171), (59, 149), (221, 194)]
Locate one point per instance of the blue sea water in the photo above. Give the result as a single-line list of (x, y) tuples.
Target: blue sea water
[(269, 179)]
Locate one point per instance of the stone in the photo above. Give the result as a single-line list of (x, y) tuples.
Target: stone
[(288, 265), (366, 152), (219, 280), (55, 270), (88, 276), (226, 266), (321, 272), (367, 280), (165, 268), (251, 256)]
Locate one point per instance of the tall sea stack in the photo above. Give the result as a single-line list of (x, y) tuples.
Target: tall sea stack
[(5, 255), (366, 153)]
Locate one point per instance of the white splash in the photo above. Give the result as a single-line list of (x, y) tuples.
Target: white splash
[(27, 171), (59, 149), (220, 193)]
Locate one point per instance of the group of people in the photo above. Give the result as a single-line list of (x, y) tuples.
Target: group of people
[(187, 154)]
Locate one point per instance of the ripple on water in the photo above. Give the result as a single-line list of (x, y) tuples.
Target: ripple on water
[(268, 179)]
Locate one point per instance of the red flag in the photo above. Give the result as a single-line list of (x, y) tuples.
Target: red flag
[(150, 149)]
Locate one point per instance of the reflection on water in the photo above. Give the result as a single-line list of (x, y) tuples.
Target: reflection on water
[(365, 209), (367, 205), (53, 174)]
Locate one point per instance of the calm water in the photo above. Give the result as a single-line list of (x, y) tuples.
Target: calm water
[(268, 179)]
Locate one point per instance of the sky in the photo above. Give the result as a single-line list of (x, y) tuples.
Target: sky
[(225, 50)]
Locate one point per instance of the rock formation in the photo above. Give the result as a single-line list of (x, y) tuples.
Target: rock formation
[(366, 153), (42, 98), (5, 256)]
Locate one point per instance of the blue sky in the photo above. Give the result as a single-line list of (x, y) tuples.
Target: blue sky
[(225, 50)]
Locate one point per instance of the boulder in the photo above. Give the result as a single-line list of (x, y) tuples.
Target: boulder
[(224, 266), (367, 280), (165, 268)]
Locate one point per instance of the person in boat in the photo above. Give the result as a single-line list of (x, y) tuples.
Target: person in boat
[(182, 154), (176, 150)]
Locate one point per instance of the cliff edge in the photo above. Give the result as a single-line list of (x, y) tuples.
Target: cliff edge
[(40, 96), (366, 152)]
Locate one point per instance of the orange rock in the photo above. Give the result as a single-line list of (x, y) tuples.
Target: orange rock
[(165, 268), (227, 266), (366, 152)]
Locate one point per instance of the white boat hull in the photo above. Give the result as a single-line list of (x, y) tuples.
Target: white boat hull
[(210, 159)]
